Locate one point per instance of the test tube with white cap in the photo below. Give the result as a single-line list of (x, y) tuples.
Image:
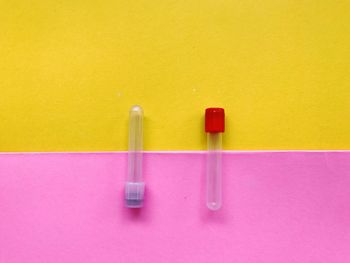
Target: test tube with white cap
[(214, 127), (135, 186)]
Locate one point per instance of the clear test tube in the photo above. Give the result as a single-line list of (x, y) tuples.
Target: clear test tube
[(214, 126), (135, 186)]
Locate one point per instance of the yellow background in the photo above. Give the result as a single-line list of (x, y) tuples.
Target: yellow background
[(70, 70)]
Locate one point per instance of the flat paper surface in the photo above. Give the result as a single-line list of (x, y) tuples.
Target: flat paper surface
[(70, 71), (277, 207)]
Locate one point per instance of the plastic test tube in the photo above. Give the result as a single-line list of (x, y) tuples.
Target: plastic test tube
[(214, 127), (135, 186)]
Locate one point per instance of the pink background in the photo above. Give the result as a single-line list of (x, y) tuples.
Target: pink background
[(278, 207)]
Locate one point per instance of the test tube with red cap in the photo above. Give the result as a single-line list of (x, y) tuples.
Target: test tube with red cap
[(134, 186), (214, 127)]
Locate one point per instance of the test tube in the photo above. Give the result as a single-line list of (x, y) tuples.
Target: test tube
[(135, 186), (214, 127)]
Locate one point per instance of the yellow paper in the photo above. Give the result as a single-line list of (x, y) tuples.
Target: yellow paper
[(70, 70)]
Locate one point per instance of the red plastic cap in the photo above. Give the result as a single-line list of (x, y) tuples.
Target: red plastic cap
[(214, 120)]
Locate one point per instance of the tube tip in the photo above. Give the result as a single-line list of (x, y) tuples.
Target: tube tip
[(214, 206), (136, 109)]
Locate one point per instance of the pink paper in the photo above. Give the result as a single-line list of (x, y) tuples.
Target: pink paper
[(277, 207)]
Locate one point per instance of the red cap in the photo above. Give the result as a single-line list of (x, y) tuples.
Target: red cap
[(214, 120)]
